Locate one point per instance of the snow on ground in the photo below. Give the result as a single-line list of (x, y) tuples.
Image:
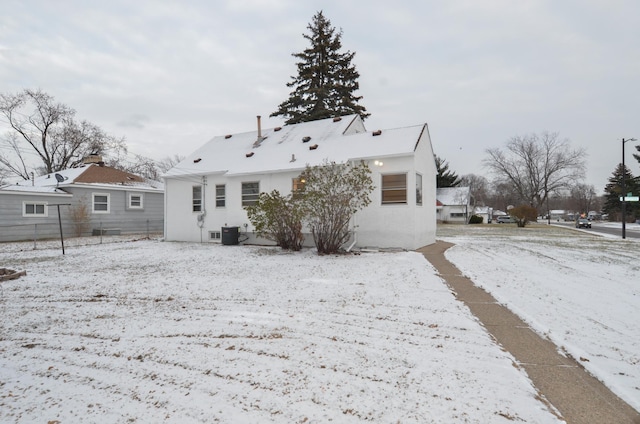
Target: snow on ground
[(151, 331), (579, 289)]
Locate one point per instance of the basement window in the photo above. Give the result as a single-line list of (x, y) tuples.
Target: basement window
[(394, 189), (215, 236)]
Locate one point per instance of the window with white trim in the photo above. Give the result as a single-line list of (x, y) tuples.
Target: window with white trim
[(35, 209), (197, 198), (418, 189), (221, 195), (136, 201), (100, 202), (394, 189), (215, 236), (250, 193)]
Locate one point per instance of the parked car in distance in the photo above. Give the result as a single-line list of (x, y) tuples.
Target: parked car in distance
[(505, 219), (583, 223)]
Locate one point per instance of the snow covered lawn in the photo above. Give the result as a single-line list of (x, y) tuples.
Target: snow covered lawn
[(149, 331), (579, 289)]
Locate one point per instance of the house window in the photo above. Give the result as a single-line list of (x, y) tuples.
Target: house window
[(394, 188), (418, 189), (250, 193), (35, 209), (215, 235), (135, 201), (220, 195), (457, 214), (297, 186), (100, 202), (197, 198)]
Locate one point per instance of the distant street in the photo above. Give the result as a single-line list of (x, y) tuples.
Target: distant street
[(615, 229)]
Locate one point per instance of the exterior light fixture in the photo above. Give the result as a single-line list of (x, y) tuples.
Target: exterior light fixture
[(378, 163)]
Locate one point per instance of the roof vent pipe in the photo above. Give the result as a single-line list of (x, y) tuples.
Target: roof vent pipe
[(260, 138), (259, 128)]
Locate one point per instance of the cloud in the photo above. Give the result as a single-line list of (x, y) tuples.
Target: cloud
[(476, 72), (134, 121)]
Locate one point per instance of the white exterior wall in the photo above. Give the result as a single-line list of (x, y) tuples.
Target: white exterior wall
[(406, 226), (446, 211), (181, 223)]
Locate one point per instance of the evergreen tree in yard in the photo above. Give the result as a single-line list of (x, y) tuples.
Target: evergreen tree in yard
[(613, 192), (326, 80), (445, 178)]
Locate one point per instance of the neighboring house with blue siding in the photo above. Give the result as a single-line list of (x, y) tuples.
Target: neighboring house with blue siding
[(93, 198)]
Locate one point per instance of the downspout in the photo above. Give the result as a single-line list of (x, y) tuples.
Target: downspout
[(166, 214), (355, 236), (203, 212), (355, 233)]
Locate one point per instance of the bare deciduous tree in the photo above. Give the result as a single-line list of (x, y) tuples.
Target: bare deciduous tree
[(169, 162), (333, 193), (142, 165), (537, 165), (583, 198), (42, 126), (479, 186)]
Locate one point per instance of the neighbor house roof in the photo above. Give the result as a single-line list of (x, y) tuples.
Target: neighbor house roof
[(293, 147), (453, 195), (93, 174)]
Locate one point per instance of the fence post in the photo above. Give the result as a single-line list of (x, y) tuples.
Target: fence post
[(147, 228), (100, 232), (35, 235)]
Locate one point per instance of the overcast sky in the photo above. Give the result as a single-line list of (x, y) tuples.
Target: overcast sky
[(169, 75)]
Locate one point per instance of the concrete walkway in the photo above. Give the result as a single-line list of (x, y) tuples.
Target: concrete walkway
[(563, 382)]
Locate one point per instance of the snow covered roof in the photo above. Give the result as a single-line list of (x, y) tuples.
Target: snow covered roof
[(8, 189), (94, 175), (293, 147), (453, 195)]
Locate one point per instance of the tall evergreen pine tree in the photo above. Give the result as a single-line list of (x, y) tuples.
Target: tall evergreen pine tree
[(613, 192), (326, 80), (444, 177)]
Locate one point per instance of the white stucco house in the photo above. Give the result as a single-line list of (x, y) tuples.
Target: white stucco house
[(453, 204), (206, 193)]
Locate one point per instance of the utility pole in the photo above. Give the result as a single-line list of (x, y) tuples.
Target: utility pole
[(624, 191)]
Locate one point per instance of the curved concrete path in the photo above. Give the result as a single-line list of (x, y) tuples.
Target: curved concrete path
[(563, 382)]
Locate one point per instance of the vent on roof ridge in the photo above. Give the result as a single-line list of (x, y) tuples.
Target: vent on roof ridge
[(293, 158), (250, 154), (197, 160), (306, 139), (228, 136), (337, 119), (378, 132), (313, 147), (277, 128)]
